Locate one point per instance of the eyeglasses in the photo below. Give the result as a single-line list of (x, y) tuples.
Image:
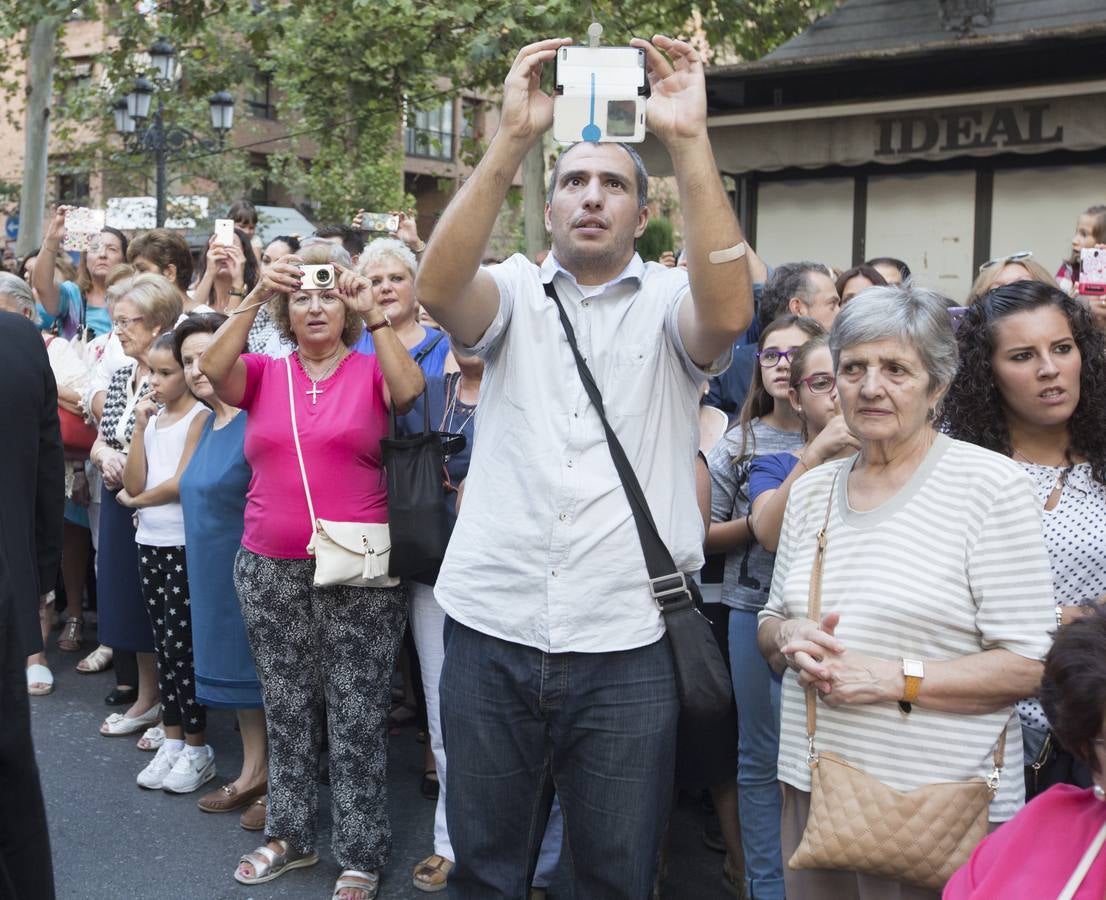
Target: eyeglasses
[(771, 358), (820, 383), (1013, 257), (122, 324)]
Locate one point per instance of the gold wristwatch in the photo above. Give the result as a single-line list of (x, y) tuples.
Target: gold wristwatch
[(913, 671)]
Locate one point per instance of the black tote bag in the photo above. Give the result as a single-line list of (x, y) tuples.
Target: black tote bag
[(417, 517)]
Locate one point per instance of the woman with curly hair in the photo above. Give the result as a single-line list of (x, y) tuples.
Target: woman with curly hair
[(1032, 385)]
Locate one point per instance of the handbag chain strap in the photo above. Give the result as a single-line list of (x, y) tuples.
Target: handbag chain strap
[(814, 612), (299, 451), (667, 584)]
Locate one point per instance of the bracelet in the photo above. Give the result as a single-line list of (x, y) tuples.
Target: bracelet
[(421, 247), (387, 323), (237, 292)]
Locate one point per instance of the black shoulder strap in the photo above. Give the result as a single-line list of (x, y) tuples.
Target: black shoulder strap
[(425, 351), (667, 583)]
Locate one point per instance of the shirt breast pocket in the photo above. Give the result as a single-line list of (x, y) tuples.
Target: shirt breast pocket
[(633, 379)]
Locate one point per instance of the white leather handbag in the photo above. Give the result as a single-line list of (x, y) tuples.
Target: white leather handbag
[(353, 553)]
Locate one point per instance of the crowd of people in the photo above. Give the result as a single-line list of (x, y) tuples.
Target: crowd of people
[(894, 503)]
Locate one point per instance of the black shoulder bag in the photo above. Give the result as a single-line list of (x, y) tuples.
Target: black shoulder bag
[(417, 517), (702, 679)]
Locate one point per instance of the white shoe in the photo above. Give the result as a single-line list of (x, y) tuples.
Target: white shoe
[(190, 772), (153, 776)]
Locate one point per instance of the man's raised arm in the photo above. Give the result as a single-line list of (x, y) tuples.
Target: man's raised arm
[(721, 291), (450, 283)]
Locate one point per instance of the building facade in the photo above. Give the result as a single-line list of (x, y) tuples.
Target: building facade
[(942, 132)]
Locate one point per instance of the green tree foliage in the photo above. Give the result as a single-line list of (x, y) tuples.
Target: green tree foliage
[(656, 239), (346, 73)]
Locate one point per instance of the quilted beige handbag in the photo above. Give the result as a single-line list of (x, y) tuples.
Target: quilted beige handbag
[(858, 823)]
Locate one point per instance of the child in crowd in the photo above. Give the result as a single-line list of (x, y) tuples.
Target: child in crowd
[(167, 428), (1090, 231)]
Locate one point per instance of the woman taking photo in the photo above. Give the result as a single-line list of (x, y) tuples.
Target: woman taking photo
[(70, 306), (934, 591), (149, 306), (1032, 386), (225, 274), (768, 424), (335, 641)]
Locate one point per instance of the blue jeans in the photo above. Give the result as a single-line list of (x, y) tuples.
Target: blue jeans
[(598, 728), (757, 693)]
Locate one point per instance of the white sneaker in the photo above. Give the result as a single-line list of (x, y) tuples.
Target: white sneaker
[(153, 776), (190, 771)]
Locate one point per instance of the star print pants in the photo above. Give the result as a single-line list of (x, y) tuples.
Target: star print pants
[(165, 592), (336, 644)]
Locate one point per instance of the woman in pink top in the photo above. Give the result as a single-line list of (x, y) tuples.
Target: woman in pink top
[(334, 644), (1053, 848)]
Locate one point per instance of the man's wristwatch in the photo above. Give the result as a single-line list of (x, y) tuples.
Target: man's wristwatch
[(913, 671)]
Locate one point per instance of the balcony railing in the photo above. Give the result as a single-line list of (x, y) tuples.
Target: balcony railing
[(428, 143)]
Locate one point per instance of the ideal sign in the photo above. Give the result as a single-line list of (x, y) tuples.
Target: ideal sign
[(945, 131)]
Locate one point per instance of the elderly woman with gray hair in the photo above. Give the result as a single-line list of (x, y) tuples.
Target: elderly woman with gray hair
[(935, 597), (390, 266)]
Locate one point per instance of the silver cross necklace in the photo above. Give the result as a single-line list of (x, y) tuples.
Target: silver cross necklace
[(315, 389)]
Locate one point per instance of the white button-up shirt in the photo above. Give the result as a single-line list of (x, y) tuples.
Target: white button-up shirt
[(545, 552)]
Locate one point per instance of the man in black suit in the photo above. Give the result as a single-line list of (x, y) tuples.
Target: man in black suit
[(32, 500)]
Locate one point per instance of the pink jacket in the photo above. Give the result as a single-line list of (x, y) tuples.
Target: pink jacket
[(1034, 854)]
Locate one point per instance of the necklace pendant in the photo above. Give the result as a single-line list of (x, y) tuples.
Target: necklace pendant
[(314, 392)]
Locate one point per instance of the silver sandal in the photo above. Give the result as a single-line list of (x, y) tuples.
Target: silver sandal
[(355, 880), (268, 864)]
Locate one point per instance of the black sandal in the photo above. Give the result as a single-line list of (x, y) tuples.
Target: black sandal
[(121, 696)]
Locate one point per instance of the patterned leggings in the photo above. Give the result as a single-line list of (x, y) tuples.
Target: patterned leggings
[(165, 590), (312, 644)]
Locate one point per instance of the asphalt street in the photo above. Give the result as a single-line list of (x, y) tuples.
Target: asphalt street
[(111, 839)]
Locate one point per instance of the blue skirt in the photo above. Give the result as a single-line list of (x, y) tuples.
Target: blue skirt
[(124, 624)]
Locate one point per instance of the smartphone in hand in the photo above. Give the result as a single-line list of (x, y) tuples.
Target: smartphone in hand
[(224, 232)]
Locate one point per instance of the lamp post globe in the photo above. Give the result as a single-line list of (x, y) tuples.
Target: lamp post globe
[(138, 100), (222, 111), (164, 57)]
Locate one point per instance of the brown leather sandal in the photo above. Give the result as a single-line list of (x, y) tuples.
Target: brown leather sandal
[(432, 874), (69, 641)]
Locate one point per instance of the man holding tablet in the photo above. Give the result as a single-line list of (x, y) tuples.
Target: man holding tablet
[(558, 675)]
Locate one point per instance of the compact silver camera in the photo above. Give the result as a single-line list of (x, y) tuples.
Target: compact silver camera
[(318, 278)]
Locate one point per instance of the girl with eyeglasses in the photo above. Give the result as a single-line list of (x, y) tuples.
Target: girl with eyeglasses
[(767, 424), (813, 395)]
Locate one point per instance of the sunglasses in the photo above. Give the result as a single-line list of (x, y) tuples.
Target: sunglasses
[(1013, 257)]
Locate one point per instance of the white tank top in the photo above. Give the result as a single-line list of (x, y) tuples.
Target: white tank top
[(163, 526)]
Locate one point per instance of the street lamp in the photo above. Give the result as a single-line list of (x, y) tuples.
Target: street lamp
[(158, 138), (222, 111), (164, 58), (124, 124), (138, 100)]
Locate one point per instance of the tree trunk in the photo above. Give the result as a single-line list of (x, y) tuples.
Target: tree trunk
[(40, 77), (533, 199)]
